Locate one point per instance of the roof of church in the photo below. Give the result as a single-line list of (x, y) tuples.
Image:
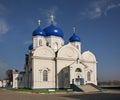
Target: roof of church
[(39, 32), (52, 30), (30, 47), (74, 38)]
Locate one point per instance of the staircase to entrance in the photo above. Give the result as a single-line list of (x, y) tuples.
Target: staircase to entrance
[(85, 88)]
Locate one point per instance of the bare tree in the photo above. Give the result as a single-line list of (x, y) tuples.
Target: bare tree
[(9, 73)]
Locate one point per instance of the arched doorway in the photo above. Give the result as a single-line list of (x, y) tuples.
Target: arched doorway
[(79, 80)]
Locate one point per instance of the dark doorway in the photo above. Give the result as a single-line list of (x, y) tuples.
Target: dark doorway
[(79, 81)]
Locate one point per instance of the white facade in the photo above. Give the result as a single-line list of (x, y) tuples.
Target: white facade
[(3, 83), (53, 64), (0, 83)]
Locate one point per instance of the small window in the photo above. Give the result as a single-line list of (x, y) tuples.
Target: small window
[(40, 42), (45, 75), (78, 70), (88, 76), (47, 44), (56, 46), (77, 46)]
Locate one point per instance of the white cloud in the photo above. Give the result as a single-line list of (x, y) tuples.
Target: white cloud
[(99, 8), (3, 26), (111, 6), (48, 12), (94, 13), (28, 42)]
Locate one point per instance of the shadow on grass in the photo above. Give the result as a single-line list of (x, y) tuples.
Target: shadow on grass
[(37, 91), (95, 96)]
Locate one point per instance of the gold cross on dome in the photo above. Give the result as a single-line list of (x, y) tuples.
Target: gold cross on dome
[(74, 29), (39, 22)]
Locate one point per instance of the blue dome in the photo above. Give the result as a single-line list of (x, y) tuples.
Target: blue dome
[(74, 38), (39, 32), (53, 30), (30, 47)]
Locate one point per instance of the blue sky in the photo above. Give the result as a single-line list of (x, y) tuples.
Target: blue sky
[(97, 23)]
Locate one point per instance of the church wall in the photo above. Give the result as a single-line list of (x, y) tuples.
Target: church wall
[(61, 65), (0, 83), (55, 42), (89, 60), (77, 45), (21, 80), (92, 69), (67, 56), (73, 65), (38, 41), (15, 81), (75, 74), (28, 72), (64, 78), (38, 67)]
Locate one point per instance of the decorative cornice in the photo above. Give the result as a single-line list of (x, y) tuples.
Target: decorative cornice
[(86, 61), (43, 58), (62, 58), (68, 59)]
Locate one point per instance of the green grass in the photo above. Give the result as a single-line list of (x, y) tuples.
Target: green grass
[(38, 91)]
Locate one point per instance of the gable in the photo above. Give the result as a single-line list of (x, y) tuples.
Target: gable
[(44, 51), (68, 52), (88, 56)]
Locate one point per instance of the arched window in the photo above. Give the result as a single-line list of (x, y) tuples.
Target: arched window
[(45, 75), (47, 44), (40, 42), (77, 46), (88, 76), (78, 70), (56, 46)]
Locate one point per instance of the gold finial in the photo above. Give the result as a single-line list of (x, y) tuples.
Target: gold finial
[(74, 29), (52, 19), (39, 22)]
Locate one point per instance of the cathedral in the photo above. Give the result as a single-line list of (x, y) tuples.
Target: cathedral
[(51, 64)]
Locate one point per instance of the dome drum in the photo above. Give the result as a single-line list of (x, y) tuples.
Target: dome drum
[(74, 38)]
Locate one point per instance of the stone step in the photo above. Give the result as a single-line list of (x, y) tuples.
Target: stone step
[(88, 88)]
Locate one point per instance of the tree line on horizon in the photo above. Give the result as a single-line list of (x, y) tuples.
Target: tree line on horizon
[(114, 82)]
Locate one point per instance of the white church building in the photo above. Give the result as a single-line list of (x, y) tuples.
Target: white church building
[(51, 64)]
